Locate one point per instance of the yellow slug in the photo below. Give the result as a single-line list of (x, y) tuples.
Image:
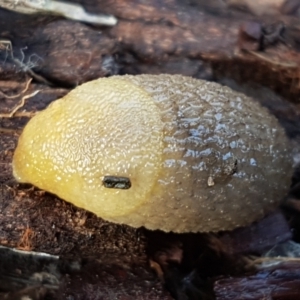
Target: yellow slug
[(162, 151)]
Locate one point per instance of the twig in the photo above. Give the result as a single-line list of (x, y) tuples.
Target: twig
[(18, 95), (7, 46), (26, 114), (276, 63), (10, 131), (21, 104), (275, 259), (263, 262)]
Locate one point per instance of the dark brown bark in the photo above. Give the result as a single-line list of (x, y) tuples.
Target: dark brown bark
[(193, 38)]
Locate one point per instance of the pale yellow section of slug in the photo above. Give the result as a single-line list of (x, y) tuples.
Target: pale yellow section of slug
[(101, 128)]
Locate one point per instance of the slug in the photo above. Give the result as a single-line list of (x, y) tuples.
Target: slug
[(165, 152)]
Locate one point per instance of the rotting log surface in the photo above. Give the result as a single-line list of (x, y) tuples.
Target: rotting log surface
[(172, 36), (187, 37), (281, 281)]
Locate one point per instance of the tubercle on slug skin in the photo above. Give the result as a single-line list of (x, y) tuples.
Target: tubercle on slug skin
[(168, 134)]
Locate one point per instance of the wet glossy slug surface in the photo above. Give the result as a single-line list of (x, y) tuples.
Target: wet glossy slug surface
[(165, 152)]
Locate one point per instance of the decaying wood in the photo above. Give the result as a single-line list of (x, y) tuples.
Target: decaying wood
[(258, 237), (26, 274), (172, 36), (203, 39), (278, 281)]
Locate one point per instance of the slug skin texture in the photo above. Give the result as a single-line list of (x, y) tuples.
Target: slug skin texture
[(193, 155)]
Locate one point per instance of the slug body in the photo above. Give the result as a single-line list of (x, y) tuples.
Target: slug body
[(191, 155)]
